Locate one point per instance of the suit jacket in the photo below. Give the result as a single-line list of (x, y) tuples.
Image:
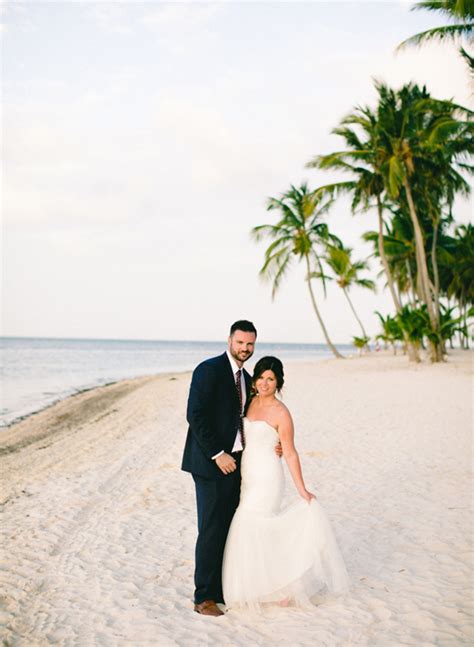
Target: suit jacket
[(213, 415)]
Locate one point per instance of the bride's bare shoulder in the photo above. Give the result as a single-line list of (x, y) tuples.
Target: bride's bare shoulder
[(283, 414)]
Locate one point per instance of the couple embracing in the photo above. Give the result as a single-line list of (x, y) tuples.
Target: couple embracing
[(249, 552)]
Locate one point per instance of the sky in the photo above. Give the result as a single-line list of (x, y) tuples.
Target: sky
[(142, 140)]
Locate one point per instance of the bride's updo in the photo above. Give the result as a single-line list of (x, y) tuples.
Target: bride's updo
[(269, 363)]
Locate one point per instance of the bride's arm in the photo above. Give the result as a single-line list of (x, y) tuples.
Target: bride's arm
[(287, 434)]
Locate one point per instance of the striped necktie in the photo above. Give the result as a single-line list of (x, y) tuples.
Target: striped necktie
[(238, 384)]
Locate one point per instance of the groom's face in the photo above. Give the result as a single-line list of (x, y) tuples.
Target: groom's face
[(242, 345)]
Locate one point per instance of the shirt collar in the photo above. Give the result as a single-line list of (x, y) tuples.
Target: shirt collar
[(233, 363)]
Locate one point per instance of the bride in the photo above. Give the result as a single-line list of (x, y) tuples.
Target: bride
[(271, 555)]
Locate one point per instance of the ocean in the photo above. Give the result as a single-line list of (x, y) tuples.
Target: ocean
[(37, 372)]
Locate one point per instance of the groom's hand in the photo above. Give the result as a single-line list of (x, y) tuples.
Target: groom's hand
[(279, 450), (226, 463)]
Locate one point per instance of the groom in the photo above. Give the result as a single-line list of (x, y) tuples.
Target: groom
[(213, 450)]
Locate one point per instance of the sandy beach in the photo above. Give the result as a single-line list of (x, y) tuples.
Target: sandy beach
[(98, 522)]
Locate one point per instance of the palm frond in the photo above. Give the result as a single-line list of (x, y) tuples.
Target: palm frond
[(468, 58), (438, 34), (366, 283), (336, 189), (264, 231), (274, 203), (283, 266), (450, 8), (395, 175)]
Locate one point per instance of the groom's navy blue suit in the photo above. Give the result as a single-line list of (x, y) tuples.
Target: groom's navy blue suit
[(213, 414)]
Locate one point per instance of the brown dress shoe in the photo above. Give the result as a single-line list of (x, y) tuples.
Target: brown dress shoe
[(208, 608)]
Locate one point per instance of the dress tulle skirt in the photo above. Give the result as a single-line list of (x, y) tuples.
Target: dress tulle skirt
[(284, 558), (274, 555)]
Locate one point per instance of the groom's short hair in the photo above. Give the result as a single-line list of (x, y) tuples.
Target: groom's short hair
[(244, 326)]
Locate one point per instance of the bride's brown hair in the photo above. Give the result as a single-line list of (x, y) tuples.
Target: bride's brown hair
[(268, 363)]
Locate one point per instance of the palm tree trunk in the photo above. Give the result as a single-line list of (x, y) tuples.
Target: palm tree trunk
[(355, 313), (383, 257), (434, 262), (460, 331), (412, 286), (466, 327), (436, 354), (412, 353), (399, 294), (448, 306), (315, 308), (420, 254)]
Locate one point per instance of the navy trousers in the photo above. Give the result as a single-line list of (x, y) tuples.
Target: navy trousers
[(217, 500)]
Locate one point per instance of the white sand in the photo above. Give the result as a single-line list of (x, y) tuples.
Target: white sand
[(99, 523)]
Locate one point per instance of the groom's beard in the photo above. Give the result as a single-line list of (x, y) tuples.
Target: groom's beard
[(241, 356)]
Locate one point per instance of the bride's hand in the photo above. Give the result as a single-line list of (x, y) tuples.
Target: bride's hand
[(307, 496)]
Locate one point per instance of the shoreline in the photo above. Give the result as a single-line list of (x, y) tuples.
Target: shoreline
[(98, 397), (25, 416), (15, 426), (79, 391)]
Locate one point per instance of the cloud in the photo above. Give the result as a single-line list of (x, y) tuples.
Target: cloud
[(170, 19), (18, 15), (183, 18), (110, 17), (72, 175), (182, 27)]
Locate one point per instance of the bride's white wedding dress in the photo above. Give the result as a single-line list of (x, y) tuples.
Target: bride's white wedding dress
[(274, 555)]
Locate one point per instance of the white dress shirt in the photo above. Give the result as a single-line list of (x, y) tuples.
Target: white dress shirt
[(237, 447)]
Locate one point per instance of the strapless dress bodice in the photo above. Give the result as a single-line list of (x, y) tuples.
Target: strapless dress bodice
[(259, 434), (262, 472)]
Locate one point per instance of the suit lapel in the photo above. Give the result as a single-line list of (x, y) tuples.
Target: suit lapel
[(229, 376), (248, 382)]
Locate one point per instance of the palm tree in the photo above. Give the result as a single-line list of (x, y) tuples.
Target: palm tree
[(396, 116), (361, 158), (347, 274), (420, 139), (297, 235), (461, 12), (400, 250), (360, 343), (415, 323), (391, 332), (408, 154), (450, 324), (457, 271), (439, 183)]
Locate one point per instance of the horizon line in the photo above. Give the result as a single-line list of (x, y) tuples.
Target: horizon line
[(199, 341)]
